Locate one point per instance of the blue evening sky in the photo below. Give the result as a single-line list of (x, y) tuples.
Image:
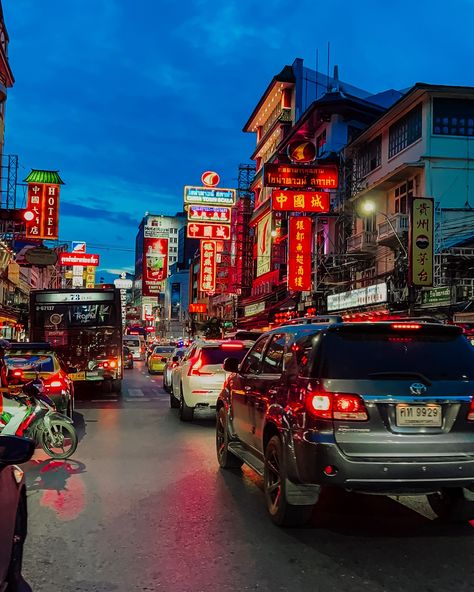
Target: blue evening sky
[(133, 99)]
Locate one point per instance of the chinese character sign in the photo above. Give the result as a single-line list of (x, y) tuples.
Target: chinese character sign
[(299, 253), (43, 202), (155, 265), (208, 231), (421, 241), (207, 272), (300, 201)]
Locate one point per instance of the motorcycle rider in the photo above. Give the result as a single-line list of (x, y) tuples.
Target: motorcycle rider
[(15, 399)]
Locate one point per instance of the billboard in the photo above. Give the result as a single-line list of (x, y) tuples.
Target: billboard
[(300, 201), (207, 271), (209, 231), (421, 247), (299, 253), (43, 202), (155, 265), (300, 177), (211, 196), (79, 259), (264, 245), (209, 213)]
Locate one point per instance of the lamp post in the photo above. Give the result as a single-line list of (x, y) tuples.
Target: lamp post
[(368, 207)]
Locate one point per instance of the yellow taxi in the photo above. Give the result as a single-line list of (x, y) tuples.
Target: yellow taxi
[(157, 359)]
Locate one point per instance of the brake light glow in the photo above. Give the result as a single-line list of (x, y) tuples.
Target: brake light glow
[(195, 368), (405, 326), (56, 384), (470, 415), (337, 406), (230, 345), (17, 373)]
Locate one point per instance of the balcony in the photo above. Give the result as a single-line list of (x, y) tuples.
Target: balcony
[(362, 242), (392, 227)]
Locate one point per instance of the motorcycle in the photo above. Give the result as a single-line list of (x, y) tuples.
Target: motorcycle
[(32, 414)]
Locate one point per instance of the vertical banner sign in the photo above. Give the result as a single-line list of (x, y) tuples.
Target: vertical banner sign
[(264, 245), (299, 253), (207, 272), (155, 265), (43, 202), (90, 276), (421, 242)]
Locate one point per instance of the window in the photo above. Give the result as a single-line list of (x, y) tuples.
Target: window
[(321, 143), (453, 117), (213, 356), (369, 157), (251, 363), (370, 223), (405, 131), (272, 362), (403, 195)]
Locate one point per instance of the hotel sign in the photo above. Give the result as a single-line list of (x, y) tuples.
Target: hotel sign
[(300, 177), (212, 196), (43, 203)]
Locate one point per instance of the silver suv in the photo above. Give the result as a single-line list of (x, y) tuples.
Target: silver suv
[(372, 407)]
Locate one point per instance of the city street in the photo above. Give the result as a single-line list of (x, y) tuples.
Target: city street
[(142, 505)]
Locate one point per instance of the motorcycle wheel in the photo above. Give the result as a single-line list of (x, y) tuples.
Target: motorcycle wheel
[(64, 441)]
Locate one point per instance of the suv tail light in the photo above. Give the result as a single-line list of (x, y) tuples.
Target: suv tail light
[(470, 415), (108, 364), (195, 368), (55, 383), (406, 326), (337, 406)]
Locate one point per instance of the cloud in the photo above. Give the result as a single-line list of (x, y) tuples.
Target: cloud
[(75, 210), (117, 271)]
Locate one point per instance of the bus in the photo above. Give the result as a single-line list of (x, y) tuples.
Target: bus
[(85, 327)]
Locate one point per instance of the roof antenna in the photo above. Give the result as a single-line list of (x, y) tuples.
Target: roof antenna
[(317, 66), (336, 78), (329, 54)]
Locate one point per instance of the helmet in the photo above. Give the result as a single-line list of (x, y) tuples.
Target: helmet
[(4, 345)]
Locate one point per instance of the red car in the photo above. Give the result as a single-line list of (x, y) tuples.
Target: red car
[(13, 515)]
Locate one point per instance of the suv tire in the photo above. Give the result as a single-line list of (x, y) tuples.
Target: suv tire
[(226, 459), (274, 484), (174, 403), (185, 413), (451, 505)]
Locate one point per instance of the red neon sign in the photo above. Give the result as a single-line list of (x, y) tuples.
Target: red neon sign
[(300, 177), (300, 201), (198, 307), (198, 213), (207, 272), (79, 259), (208, 231), (299, 253), (43, 203), (210, 179)]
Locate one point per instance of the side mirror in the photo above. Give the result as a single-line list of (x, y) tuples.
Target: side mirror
[(175, 359), (231, 365), (15, 450)]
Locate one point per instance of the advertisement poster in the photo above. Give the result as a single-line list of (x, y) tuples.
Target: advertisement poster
[(155, 265), (299, 253), (264, 245), (421, 241)]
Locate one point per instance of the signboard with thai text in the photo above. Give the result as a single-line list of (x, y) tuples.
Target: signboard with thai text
[(79, 259), (375, 294), (300, 201), (43, 203), (207, 271), (300, 177), (253, 309), (220, 214), (212, 196), (209, 231), (299, 253), (421, 246), (441, 296)]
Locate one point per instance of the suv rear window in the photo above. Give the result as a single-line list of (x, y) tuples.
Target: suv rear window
[(132, 343), (30, 362), (217, 355), (358, 354)]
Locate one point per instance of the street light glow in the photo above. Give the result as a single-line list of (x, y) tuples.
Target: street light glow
[(368, 207)]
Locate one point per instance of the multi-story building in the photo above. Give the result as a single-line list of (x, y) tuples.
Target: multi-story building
[(420, 147)]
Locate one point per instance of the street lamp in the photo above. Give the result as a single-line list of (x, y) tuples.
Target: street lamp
[(368, 207)]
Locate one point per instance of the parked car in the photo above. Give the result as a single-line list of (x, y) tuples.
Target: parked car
[(172, 362), (134, 344), (157, 359), (127, 357), (13, 513), (383, 408), (25, 360), (200, 376)]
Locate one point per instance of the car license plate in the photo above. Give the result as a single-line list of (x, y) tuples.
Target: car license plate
[(419, 416), (92, 374), (78, 376)]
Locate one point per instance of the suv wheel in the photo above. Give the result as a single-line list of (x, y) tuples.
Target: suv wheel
[(15, 580), (185, 413), (274, 483), (174, 403), (451, 505), (226, 459)]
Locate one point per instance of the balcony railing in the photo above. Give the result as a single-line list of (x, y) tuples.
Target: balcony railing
[(362, 242), (280, 113), (391, 227)]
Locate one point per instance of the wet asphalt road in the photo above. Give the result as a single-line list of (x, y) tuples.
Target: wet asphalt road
[(143, 506)]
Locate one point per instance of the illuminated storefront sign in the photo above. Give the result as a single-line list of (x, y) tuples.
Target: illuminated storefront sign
[(301, 151), (209, 196), (264, 245), (421, 246), (253, 309), (299, 253), (220, 214), (209, 231), (370, 295), (300, 177), (43, 203), (300, 201), (155, 265), (79, 259), (198, 307), (207, 271), (210, 179)]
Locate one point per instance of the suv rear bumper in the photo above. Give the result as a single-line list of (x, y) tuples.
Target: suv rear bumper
[(379, 475)]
